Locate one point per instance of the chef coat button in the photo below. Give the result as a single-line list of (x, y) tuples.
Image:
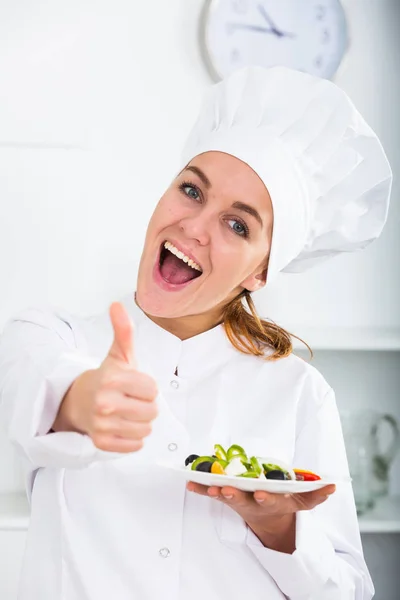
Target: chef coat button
[(172, 446), (174, 384), (164, 552)]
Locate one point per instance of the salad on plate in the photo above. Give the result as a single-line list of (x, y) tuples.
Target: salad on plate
[(234, 467), (234, 462)]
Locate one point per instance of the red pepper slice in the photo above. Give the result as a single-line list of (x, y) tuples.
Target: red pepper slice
[(307, 475)]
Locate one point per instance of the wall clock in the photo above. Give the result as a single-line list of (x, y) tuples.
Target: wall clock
[(308, 35)]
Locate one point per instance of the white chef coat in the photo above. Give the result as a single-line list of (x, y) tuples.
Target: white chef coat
[(107, 525)]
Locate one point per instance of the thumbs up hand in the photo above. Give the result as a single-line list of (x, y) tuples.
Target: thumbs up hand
[(114, 404), (122, 349)]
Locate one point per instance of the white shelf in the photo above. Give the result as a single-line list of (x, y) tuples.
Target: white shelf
[(347, 338), (384, 518), (14, 512)]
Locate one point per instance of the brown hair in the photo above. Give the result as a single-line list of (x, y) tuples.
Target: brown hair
[(251, 335)]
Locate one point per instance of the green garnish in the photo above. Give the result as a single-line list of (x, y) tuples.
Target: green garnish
[(255, 465), (242, 457), (250, 474), (220, 452), (202, 459), (235, 451), (270, 467)]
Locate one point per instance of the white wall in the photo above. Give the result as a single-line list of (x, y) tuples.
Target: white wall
[(362, 289), (96, 100)]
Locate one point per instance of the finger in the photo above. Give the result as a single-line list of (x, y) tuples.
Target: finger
[(121, 428), (214, 492), (113, 444), (191, 486), (137, 410), (115, 403), (122, 347), (308, 500), (132, 383), (266, 499), (237, 498)]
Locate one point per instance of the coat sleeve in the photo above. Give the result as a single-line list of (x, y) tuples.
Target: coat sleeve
[(41, 354), (328, 562)]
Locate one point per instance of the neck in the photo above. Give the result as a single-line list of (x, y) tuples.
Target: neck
[(188, 326)]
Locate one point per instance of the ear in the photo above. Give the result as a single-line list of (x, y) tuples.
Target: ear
[(256, 280)]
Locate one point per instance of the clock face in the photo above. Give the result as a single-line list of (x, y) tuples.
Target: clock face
[(308, 35)]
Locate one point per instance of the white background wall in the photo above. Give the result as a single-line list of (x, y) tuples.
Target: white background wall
[(96, 98)]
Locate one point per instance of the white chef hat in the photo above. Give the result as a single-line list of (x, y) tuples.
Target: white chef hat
[(325, 169)]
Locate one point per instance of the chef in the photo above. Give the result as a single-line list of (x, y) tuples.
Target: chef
[(279, 173)]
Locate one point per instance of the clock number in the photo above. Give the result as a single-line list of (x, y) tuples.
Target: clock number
[(321, 12), (240, 6), (326, 36), (258, 32), (318, 61)]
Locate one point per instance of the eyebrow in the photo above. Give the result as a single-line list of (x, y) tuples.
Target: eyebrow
[(249, 210), (239, 205), (200, 174)]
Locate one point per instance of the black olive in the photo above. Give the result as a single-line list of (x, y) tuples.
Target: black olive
[(275, 475), (214, 456), (204, 466), (190, 459)]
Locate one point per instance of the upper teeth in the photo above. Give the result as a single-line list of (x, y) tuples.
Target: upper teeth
[(182, 256)]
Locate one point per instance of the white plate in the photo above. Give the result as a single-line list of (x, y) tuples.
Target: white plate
[(251, 485)]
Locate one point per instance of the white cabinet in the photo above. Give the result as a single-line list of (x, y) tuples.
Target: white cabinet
[(12, 545), (14, 520)]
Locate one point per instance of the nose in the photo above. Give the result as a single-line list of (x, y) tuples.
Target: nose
[(197, 227)]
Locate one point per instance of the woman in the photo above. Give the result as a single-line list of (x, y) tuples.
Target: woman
[(279, 172)]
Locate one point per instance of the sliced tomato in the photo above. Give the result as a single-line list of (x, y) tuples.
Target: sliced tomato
[(307, 475)]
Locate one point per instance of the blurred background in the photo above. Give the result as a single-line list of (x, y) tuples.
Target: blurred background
[(96, 100)]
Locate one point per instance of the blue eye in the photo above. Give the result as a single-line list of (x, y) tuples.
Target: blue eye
[(190, 190), (239, 228)]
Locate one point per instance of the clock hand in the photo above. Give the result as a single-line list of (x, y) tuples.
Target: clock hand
[(233, 26), (258, 28), (270, 22)]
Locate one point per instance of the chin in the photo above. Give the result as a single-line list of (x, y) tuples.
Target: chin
[(156, 303), (159, 298), (150, 303)]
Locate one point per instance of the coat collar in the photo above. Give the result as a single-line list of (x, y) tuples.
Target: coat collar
[(163, 351)]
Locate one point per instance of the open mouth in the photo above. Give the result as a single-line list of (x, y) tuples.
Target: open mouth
[(175, 267)]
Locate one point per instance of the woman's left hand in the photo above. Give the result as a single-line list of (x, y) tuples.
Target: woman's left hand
[(270, 516)]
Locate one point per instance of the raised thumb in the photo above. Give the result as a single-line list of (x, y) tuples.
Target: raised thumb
[(122, 347)]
